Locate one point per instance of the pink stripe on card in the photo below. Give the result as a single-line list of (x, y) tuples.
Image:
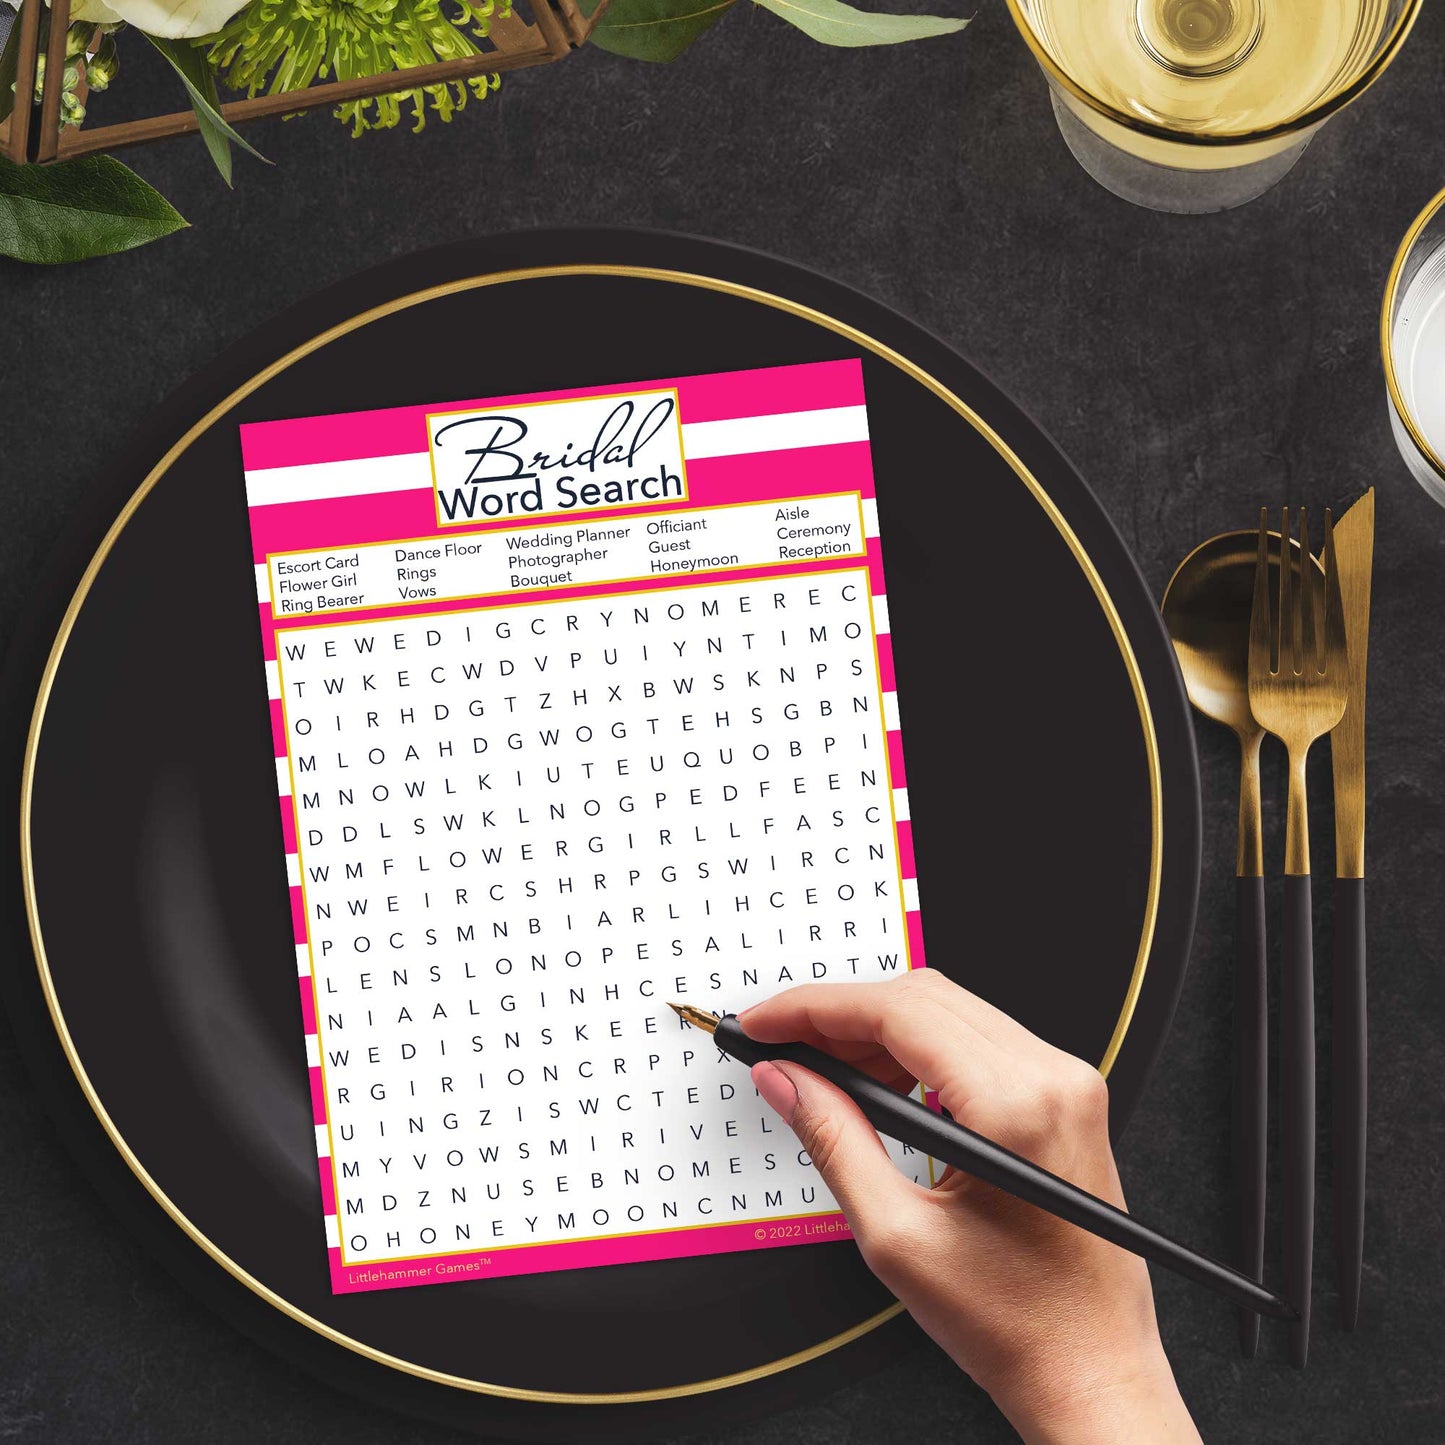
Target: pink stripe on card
[(350, 436), (298, 915), (886, 679), (906, 864), (776, 476), (308, 1006), (585, 1254), (342, 522), (278, 727), (772, 390), (318, 1097), (288, 825), (895, 760), (328, 1187), (915, 941)]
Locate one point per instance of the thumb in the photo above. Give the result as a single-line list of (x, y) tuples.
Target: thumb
[(843, 1145)]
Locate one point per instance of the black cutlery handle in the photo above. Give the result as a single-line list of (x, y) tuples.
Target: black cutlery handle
[(1297, 1106), (904, 1118), (1250, 1099), (1349, 1061)]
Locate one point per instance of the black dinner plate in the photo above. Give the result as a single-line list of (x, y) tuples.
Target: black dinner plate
[(1050, 760)]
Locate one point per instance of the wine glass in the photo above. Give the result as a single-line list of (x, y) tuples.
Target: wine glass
[(1412, 340), (1200, 105)]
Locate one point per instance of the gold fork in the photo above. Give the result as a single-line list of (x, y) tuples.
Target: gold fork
[(1298, 696)]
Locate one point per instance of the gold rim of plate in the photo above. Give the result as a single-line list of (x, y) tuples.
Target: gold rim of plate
[(77, 601), (1306, 120), (1387, 350)]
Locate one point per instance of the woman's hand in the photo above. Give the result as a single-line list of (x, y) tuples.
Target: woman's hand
[(1056, 1325)]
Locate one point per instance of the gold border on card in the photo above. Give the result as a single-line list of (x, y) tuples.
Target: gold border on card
[(534, 601), (305, 620), (77, 601), (431, 448)]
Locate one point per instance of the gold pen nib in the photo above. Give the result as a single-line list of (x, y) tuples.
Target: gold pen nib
[(698, 1018)]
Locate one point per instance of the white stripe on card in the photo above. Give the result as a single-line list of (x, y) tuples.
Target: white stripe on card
[(263, 583), (880, 615), (785, 431), (333, 1233), (303, 959), (890, 712), (283, 777), (315, 481), (293, 870), (910, 895), (313, 1052), (273, 680), (323, 1142), (900, 805), (870, 516)]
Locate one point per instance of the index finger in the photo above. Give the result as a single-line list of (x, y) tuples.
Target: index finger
[(992, 1022), (908, 1016)]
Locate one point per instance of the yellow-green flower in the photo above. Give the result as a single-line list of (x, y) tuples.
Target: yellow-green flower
[(278, 45)]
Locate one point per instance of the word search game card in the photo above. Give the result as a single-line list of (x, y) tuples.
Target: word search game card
[(582, 702)]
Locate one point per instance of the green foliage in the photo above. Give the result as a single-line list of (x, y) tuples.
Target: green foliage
[(656, 29), (834, 23), (9, 65), (662, 29), (200, 82), (93, 206)]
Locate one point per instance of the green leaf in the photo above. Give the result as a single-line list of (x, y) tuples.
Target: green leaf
[(200, 82), (9, 65), (656, 29), (835, 23), (93, 206)]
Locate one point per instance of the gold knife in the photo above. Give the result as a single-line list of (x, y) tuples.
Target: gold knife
[(1354, 551)]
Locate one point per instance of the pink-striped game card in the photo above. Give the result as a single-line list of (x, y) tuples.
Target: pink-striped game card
[(582, 701)]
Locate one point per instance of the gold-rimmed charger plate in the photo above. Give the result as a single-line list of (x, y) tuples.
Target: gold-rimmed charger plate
[(1056, 805)]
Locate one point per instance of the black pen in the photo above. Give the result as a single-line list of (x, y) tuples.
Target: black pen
[(904, 1118)]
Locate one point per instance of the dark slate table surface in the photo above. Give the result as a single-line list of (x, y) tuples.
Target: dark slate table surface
[(1192, 367)]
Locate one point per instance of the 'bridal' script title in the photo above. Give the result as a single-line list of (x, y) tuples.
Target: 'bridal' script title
[(579, 455)]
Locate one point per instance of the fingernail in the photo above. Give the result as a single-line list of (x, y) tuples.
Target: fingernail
[(777, 1088)]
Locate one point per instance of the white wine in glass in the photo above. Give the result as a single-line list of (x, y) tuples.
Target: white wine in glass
[(1198, 105)]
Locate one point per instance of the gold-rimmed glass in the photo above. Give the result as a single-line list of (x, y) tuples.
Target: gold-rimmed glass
[(1201, 105), (1412, 343)]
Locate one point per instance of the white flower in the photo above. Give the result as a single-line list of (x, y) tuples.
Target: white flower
[(172, 19), (95, 12)]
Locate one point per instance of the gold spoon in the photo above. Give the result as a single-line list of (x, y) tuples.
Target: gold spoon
[(1206, 609)]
